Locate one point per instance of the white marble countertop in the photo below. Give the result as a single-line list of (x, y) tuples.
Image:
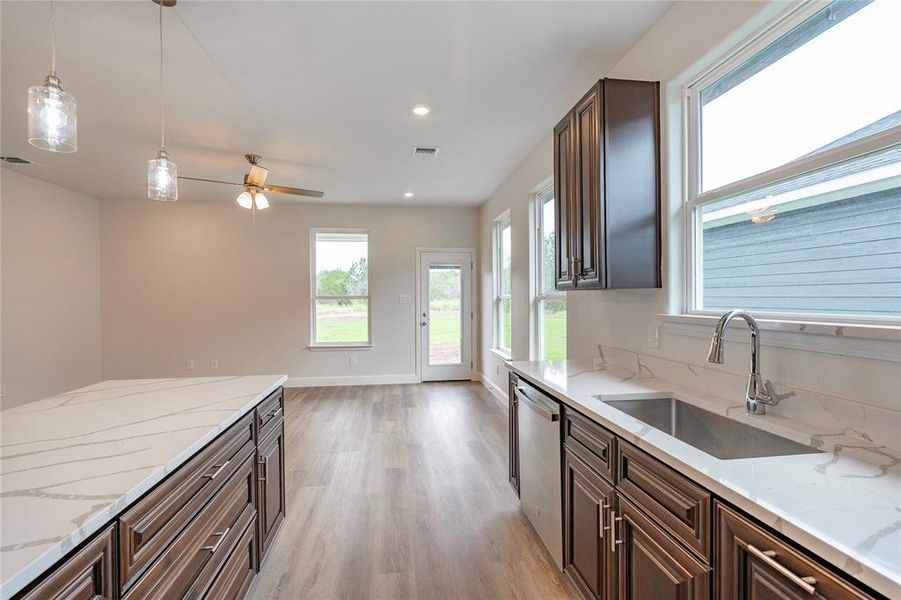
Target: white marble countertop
[(843, 505), (71, 463)]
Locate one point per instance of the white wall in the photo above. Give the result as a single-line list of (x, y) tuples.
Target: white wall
[(861, 396), (51, 289), (202, 281)]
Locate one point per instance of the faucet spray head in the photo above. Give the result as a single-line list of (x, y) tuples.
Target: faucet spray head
[(715, 354)]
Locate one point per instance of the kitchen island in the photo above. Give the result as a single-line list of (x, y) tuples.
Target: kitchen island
[(72, 464)]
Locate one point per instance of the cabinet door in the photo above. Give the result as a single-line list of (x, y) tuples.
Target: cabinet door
[(565, 210), (632, 183), (271, 475), (650, 564), (587, 557), (588, 200), (86, 575), (753, 564), (513, 434)]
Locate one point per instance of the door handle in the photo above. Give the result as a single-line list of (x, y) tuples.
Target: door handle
[(424, 323)]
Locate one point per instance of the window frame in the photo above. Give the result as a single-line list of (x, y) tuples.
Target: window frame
[(694, 198), (314, 297), (538, 294), (497, 292)]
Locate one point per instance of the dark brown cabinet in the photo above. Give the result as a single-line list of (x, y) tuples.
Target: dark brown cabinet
[(753, 564), (271, 477), (513, 434), (607, 186), (86, 575), (587, 553), (651, 564)]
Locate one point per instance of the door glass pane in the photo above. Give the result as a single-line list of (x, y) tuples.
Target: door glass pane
[(553, 328), (445, 315), (342, 321), (828, 81)]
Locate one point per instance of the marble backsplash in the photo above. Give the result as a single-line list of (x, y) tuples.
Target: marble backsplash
[(836, 416)]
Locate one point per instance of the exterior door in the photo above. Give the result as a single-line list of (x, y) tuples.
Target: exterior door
[(445, 316)]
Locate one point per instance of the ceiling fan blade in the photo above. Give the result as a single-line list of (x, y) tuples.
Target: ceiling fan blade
[(280, 189), (209, 180), (256, 176)]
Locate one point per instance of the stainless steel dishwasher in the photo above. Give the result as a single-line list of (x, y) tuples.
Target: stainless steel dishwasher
[(539, 464)]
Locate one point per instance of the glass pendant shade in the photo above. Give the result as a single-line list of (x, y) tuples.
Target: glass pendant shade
[(162, 178), (245, 200), (261, 201), (52, 120)]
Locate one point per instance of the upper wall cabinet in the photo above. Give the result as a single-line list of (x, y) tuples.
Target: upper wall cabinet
[(607, 185)]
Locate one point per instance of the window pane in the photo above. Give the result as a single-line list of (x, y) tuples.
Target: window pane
[(345, 321), (548, 240), (505, 258), (553, 329), (342, 264), (827, 242), (445, 315), (506, 320), (792, 99)]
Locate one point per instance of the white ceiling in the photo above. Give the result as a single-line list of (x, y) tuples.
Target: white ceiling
[(323, 91)]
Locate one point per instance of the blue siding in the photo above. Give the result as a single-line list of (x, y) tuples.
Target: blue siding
[(840, 257)]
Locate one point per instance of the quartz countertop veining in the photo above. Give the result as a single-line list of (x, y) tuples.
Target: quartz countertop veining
[(71, 463), (843, 504)]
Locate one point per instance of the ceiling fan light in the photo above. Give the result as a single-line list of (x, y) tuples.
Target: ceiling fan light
[(162, 178), (52, 118), (262, 202), (245, 200)]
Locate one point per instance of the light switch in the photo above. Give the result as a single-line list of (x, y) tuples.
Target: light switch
[(189, 365), (214, 365), (403, 299)]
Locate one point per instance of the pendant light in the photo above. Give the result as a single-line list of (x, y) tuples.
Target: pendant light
[(162, 173), (52, 120)]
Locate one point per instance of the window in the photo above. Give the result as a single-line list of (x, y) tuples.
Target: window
[(503, 308), (795, 170), (549, 317), (340, 308)]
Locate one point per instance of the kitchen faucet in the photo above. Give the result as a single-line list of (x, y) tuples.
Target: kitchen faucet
[(759, 394)]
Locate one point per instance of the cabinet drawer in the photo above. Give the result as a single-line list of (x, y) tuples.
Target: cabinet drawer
[(269, 411), (235, 578), (679, 505), (752, 563), (187, 567), (148, 527), (590, 442), (88, 574)]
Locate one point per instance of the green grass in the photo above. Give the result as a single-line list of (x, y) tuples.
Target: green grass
[(554, 336)]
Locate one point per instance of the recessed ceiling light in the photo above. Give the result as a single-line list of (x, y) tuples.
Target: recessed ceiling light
[(421, 110), (408, 194)]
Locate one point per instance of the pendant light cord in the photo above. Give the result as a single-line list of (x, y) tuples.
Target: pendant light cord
[(52, 40), (162, 105)]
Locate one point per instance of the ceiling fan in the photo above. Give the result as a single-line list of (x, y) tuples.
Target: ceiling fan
[(255, 184)]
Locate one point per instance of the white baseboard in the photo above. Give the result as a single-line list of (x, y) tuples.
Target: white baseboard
[(303, 382), (499, 394)]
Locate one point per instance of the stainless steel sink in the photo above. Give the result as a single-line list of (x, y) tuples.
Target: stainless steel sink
[(708, 432)]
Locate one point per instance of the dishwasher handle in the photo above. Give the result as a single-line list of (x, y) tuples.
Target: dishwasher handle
[(539, 405)]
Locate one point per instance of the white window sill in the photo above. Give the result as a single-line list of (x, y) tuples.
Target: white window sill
[(327, 347), (501, 354), (881, 342)]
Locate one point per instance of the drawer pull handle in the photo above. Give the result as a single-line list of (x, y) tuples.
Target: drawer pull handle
[(265, 464), (271, 413), (613, 521), (221, 535), (808, 584), (216, 470)]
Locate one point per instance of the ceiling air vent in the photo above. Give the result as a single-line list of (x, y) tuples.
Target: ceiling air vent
[(15, 160), (425, 152)]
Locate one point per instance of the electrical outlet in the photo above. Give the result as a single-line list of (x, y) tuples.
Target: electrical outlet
[(214, 365), (3, 390), (353, 360), (654, 336), (189, 365)]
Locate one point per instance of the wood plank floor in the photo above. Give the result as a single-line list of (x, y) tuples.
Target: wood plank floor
[(401, 492)]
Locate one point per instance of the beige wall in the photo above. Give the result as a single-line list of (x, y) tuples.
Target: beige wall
[(51, 289), (202, 282)]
